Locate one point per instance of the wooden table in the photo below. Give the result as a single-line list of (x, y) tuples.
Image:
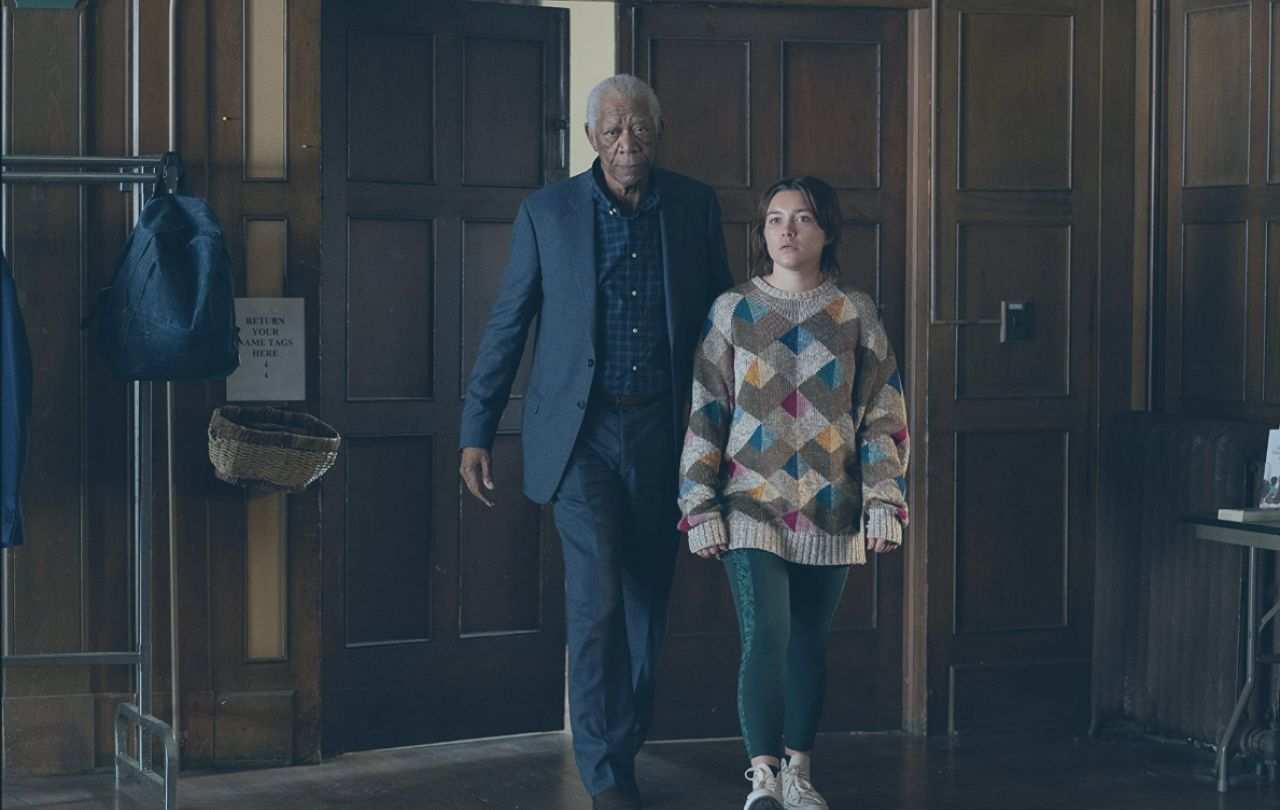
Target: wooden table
[(1253, 536)]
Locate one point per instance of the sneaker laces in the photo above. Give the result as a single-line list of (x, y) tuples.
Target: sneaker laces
[(799, 789), (763, 778)]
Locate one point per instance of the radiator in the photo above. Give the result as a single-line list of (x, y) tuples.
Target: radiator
[(1168, 608)]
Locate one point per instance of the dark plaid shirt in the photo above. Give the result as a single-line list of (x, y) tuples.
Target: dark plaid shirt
[(634, 351)]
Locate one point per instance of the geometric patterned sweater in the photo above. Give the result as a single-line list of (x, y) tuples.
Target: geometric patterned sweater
[(798, 432)]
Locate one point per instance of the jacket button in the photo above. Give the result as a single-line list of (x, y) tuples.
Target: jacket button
[(590, 363), (581, 404)]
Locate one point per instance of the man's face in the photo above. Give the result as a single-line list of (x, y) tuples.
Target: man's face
[(626, 137)]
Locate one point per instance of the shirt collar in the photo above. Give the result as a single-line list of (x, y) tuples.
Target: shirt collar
[(604, 198)]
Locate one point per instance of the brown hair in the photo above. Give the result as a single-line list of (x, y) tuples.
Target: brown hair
[(825, 205)]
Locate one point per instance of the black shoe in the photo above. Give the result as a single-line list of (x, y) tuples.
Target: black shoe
[(616, 799)]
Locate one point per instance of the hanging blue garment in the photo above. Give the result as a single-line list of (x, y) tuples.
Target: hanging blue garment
[(15, 407)]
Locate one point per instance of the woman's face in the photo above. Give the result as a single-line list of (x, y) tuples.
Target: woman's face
[(792, 234)]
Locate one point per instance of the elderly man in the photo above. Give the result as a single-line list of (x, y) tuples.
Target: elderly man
[(620, 264)]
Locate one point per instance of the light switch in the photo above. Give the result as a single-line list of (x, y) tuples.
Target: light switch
[(1015, 321)]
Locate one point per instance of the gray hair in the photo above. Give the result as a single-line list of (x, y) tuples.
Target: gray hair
[(626, 86)]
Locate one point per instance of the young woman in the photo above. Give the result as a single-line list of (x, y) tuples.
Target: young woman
[(793, 468)]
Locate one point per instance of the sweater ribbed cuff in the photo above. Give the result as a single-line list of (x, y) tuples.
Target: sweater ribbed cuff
[(882, 524), (708, 533)]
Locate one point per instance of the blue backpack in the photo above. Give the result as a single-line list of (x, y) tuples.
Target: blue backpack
[(169, 313)]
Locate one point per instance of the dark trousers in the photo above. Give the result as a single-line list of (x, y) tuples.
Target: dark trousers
[(616, 513)]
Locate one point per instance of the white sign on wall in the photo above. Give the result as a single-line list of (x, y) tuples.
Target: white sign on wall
[(273, 362)]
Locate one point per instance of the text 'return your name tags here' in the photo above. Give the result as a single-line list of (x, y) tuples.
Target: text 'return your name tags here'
[(273, 363)]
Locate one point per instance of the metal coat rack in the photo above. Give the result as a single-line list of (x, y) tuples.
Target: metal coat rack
[(130, 173), (158, 171)]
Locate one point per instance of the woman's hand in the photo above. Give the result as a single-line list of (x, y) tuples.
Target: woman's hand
[(712, 551), (879, 545)]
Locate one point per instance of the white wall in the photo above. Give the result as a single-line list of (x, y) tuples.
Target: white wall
[(591, 60)]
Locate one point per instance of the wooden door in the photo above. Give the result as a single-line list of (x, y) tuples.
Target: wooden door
[(750, 95), (442, 619), (1011, 424)]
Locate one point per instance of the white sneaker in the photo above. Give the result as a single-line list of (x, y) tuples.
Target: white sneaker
[(766, 789), (797, 790)]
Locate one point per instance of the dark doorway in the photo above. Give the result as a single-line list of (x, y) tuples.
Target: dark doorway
[(442, 619)]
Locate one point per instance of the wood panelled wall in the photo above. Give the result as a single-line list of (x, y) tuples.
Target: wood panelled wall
[(1221, 263), (73, 79)]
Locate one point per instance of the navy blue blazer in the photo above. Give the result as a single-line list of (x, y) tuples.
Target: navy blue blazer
[(15, 408), (552, 275)]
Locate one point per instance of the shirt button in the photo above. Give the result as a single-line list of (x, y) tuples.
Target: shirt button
[(634, 293), (590, 363), (635, 331), (633, 255), (613, 211), (635, 368), (581, 404)]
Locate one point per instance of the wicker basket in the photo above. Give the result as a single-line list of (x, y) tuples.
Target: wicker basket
[(270, 449)]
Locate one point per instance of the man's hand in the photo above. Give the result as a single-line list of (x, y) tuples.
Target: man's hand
[(475, 471), (880, 545)]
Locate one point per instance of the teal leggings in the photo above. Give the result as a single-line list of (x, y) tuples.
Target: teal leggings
[(784, 616)]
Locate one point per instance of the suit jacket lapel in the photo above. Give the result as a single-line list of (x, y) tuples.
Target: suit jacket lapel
[(583, 226)]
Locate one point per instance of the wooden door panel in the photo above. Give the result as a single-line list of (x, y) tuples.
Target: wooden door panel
[(831, 119), (389, 516), (1011, 580), (1013, 262), (1271, 345), (723, 68), (396, 73), (503, 104), (443, 619), (1215, 271), (485, 246), (390, 340), (1015, 100), (497, 556), (786, 91), (1217, 97)]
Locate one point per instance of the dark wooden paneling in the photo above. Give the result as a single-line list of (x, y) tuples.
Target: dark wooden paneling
[(500, 552), (485, 247), (989, 697), (859, 256), (1216, 121), (737, 243), (390, 537), (396, 105), (831, 102), (1273, 85), (46, 611), (391, 318), (503, 95), (1214, 310), (1015, 97), (252, 728), (45, 735), (1271, 346), (1011, 531), (1013, 263), (720, 93)]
